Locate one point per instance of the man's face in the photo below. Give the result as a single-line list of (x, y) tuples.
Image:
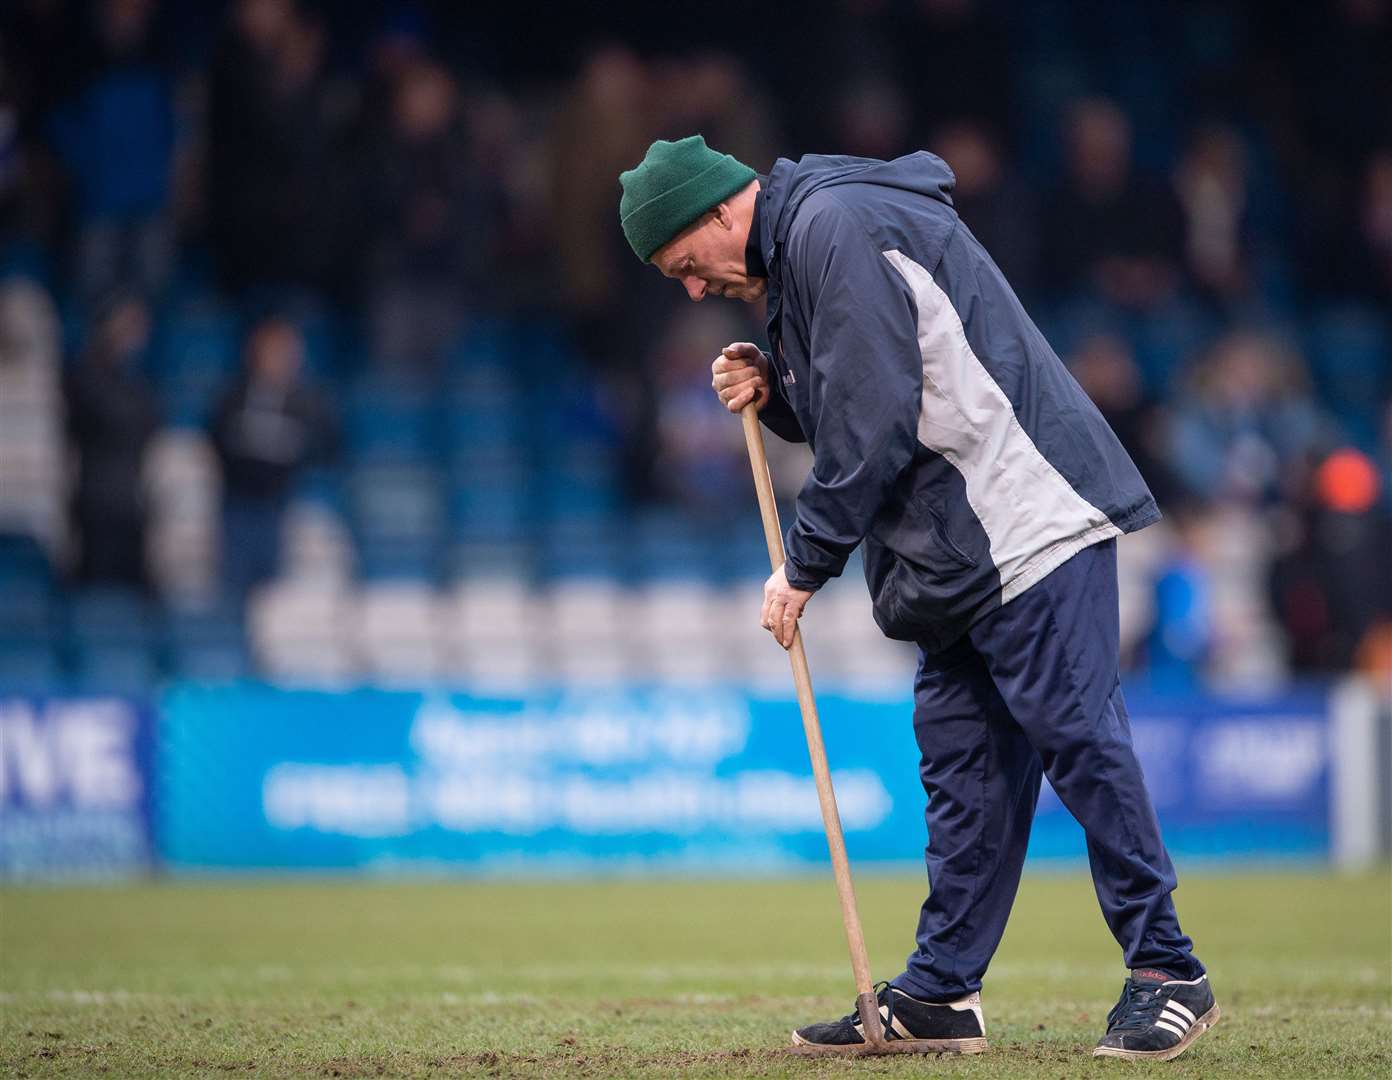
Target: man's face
[(275, 353), (708, 259)]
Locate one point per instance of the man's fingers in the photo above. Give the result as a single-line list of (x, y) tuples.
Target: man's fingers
[(773, 617), (736, 402), (724, 364), (727, 394), (746, 349), (789, 627), (737, 388), (725, 379)]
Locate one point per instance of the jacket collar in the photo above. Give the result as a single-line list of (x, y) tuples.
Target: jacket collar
[(755, 265), (773, 195)]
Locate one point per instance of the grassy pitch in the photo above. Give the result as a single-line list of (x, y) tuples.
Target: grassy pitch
[(647, 978)]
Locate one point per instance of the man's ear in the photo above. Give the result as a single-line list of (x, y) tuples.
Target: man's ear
[(725, 213)]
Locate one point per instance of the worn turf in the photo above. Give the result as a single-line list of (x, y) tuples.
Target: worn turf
[(647, 978)]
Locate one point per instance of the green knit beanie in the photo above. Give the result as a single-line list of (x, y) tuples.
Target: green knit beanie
[(674, 184)]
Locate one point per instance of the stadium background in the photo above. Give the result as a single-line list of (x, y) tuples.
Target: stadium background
[(365, 512), (364, 503)]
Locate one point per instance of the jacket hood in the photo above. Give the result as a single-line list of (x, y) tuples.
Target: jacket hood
[(790, 182)]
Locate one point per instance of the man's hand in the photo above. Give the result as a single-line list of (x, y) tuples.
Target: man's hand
[(783, 606), (740, 373)]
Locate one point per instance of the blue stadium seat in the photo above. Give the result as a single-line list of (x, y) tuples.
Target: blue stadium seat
[(387, 422), (22, 558), (128, 668), (487, 343), (570, 497), (22, 257), (744, 555), (691, 558), (669, 544), (27, 609), (207, 644), (543, 344), (110, 615), (485, 429), (201, 339), (323, 340), (483, 384), (571, 552), (322, 486), (494, 513), (396, 501), (419, 558), (471, 557), (210, 663), (188, 400), (219, 623), (28, 666)]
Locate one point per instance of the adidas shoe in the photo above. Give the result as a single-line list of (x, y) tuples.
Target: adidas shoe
[(1157, 1017), (910, 1026)]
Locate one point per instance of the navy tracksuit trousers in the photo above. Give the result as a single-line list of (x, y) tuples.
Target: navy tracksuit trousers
[(1032, 690)]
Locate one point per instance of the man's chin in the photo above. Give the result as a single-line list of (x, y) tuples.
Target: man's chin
[(750, 294)]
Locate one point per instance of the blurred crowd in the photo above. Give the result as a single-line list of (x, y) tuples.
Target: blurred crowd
[(1193, 199)]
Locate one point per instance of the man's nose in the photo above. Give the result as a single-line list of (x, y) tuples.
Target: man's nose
[(695, 288)]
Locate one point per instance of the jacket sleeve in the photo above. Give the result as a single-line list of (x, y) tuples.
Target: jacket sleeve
[(864, 391), (777, 415)]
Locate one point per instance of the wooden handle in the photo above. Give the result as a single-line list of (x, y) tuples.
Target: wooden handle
[(866, 1004)]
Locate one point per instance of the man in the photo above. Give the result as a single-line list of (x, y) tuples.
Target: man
[(268, 428), (988, 493), (113, 417)]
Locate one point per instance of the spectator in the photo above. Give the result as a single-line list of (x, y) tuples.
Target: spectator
[(1347, 235), (1106, 229), (1333, 588), (431, 238), (1247, 417), (871, 119), (713, 94), (997, 208), (1211, 182), (1182, 639), (1368, 258), (608, 120), (268, 428), (116, 138), (112, 417), (1107, 371), (271, 218), (1375, 220)]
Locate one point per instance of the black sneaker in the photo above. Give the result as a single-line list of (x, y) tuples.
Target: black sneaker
[(1157, 1017), (911, 1026)]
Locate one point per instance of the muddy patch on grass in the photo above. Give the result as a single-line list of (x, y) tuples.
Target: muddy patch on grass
[(564, 1061), (601, 1061)]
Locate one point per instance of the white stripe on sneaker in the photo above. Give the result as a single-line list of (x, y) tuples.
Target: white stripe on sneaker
[(1177, 1007), (1169, 1027), (1174, 1017)]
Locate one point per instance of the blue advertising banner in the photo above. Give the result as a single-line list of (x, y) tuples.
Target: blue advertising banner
[(658, 780), (74, 786)]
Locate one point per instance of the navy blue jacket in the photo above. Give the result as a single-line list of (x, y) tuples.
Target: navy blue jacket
[(947, 435)]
